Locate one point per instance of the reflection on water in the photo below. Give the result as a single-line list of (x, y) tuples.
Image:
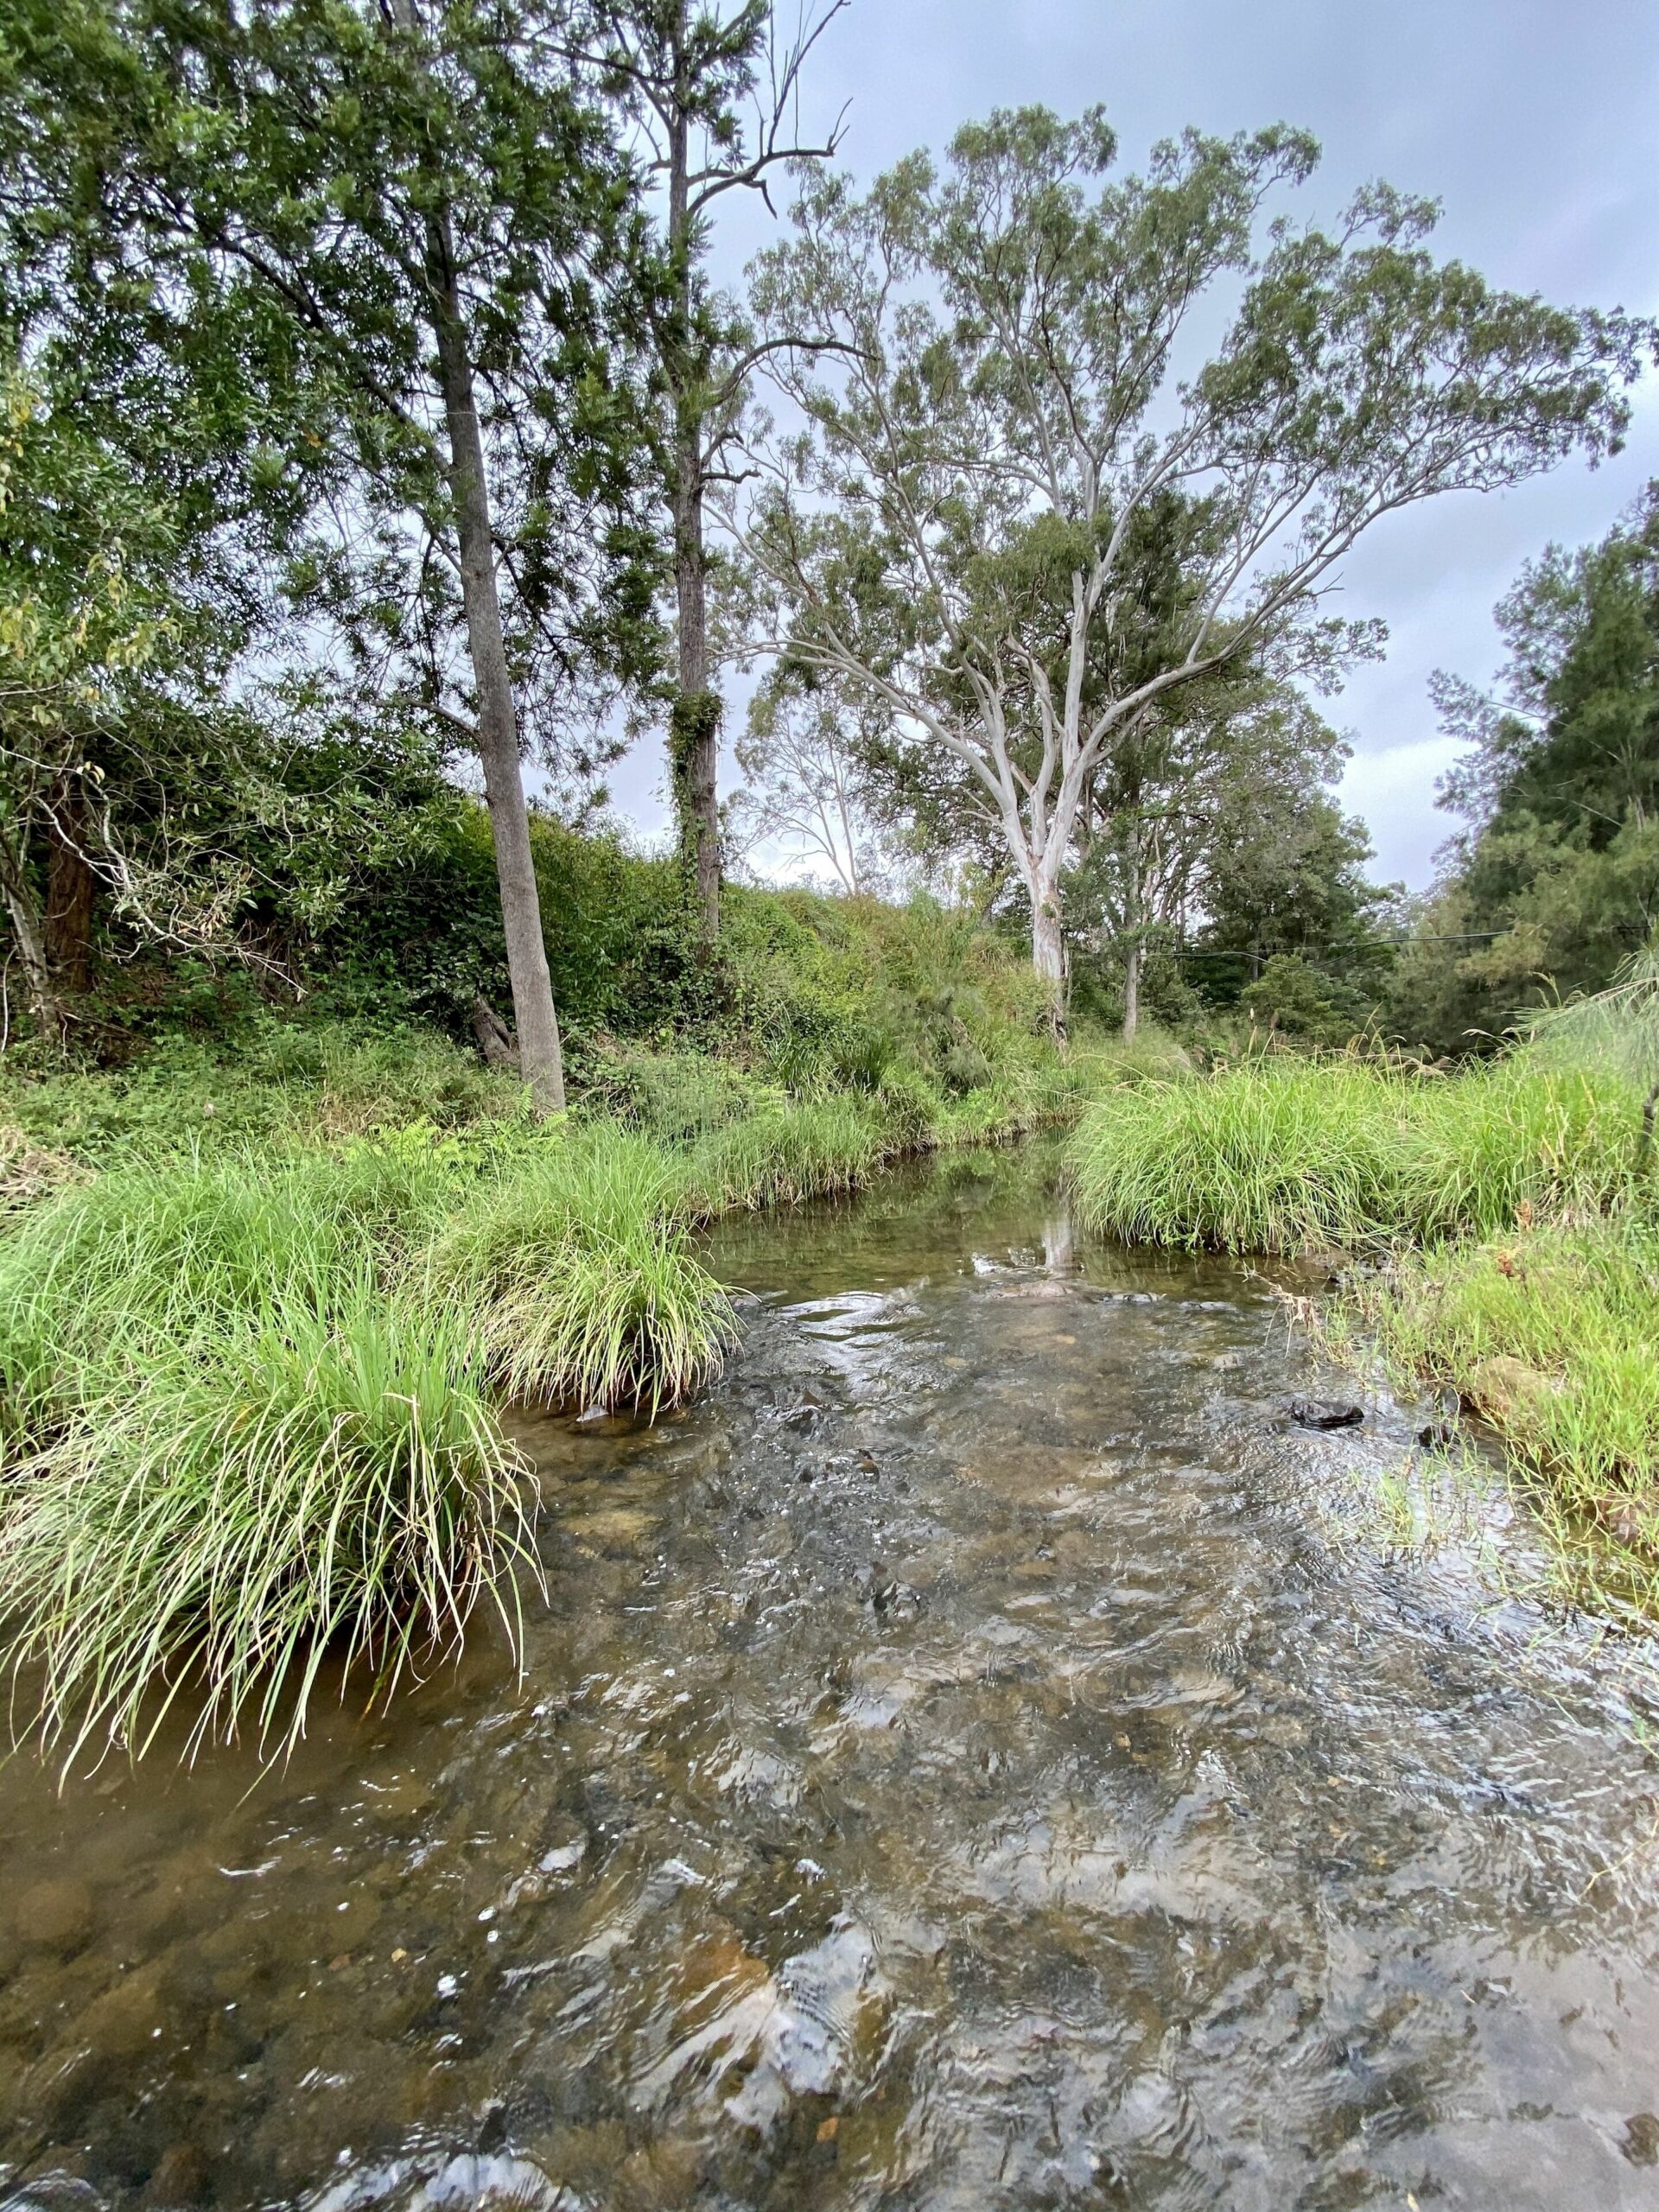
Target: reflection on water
[(965, 1766)]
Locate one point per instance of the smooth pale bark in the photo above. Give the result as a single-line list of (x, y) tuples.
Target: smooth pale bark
[(1047, 944), (1048, 953), (1132, 992), (540, 1057)]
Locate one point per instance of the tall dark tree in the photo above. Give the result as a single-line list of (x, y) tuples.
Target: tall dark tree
[(715, 89), (1554, 881)]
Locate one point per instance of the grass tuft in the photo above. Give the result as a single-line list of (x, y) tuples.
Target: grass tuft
[(329, 1480), (574, 1267), (1282, 1156)]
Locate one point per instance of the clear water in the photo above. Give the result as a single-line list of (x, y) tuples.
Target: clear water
[(980, 1757)]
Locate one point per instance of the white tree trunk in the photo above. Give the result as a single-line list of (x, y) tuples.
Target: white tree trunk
[(1132, 991), (1047, 943)]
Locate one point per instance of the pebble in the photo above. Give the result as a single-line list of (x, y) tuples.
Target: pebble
[(1325, 1413), (56, 1916)]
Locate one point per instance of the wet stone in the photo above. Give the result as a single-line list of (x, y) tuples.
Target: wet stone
[(181, 2177), (57, 1915), (1325, 1413)]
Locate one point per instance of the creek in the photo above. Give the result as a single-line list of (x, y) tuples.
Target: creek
[(981, 1757)]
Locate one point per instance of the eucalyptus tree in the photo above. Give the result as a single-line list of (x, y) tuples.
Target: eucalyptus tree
[(401, 244), (807, 786), (948, 508), (714, 89)]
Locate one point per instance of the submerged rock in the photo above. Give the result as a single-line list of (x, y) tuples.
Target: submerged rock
[(181, 2177), (1629, 1517), (1325, 1413), (817, 2036), (56, 1916)]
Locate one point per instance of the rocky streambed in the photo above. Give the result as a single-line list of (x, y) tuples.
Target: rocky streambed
[(985, 1755)]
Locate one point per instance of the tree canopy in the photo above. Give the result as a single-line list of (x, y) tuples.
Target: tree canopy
[(953, 513)]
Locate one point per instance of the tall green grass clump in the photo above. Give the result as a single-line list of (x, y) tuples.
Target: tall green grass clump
[(1521, 1137), (1274, 1156), (574, 1268), (799, 1148), (1282, 1156), (102, 1282), (329, 1485)]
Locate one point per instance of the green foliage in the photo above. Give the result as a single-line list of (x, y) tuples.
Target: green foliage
[(1556, 881), (1280, 1155), (259, 1079), (1294, 1000), (320, 1483)]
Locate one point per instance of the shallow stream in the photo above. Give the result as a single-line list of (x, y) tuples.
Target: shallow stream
[(981, 1759)]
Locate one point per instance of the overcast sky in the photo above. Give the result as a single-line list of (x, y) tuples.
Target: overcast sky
[(1535, 122)]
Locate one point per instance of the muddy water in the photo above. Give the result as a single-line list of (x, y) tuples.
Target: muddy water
[(982, 1757)]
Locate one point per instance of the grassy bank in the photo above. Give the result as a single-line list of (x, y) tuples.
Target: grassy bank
[(1513, 1224), (1284, 1155), (1550, 1334), (258, 1311)]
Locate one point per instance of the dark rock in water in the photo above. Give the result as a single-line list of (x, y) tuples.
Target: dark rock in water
[(180, 2177), (57, 1916), (1325, 1413), (1438, 1436), (802, 1418), (886, 1594), (900, 1602)]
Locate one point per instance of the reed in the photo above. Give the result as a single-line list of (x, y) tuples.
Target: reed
[(326, 1483)]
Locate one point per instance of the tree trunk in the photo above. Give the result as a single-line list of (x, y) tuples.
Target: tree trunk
[(31, 947), (694, 733), (71, 892), (1048, 953), (540, 1058), (1131, 990)]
